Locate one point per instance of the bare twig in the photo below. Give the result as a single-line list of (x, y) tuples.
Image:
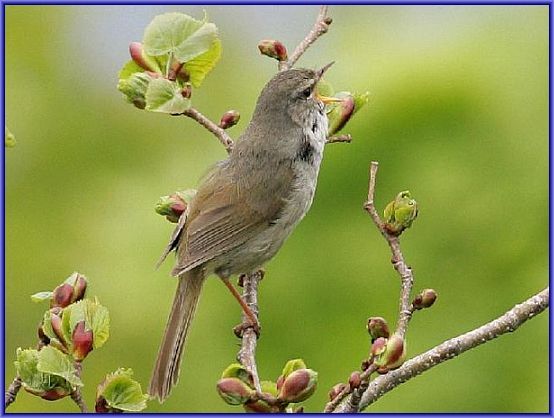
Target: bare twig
[(11, 393), (76, 394), (219, 133), (247, 354), (321, 26), (404, 271), (339, 138), (448, 350)]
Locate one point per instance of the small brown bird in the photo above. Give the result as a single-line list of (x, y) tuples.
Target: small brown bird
[(247, 205)]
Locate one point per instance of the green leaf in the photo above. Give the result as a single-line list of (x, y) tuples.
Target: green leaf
[(165, 96), (269, 387), (41, 296), (198, 67), (134, 88), (293, 365), (9, 138), (130, 68), (95, 316), (179, 35), (122, 392), (53, 361)]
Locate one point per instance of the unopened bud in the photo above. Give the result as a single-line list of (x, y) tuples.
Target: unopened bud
[(341, 113), (173, 206), (280, 381), (298, 386), (273, 49), (82, 341), (229, 119), (355, 380), (293, 365), (50, 394), (237, 370), (140, 58), (72, 290), (377, 328), (394, 354), (336, 390), (258, 407), (400, 213), (186, 92), (234, 391), (378, 346), (425, 299)]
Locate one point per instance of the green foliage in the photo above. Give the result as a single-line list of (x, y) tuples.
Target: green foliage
[(9, 138), (53, 361), (119, 392), (180, 51)]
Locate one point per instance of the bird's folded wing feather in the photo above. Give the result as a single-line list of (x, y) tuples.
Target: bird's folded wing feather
[(225, 219)]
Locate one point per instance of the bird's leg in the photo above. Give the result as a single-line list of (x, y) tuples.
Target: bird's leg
[(253, 320)]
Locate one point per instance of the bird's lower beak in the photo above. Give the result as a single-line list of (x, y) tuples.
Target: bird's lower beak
[(326, 100)]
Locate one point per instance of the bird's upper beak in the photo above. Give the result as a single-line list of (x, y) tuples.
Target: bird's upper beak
[(324, 99)]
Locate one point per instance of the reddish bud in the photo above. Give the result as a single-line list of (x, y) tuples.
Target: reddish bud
[(336, 390), (186, 92), (258, 407), (229, 119), (56, 322), (355, 380), (62, 296), (49, 395), (345, 111), (425, 299), (234, 391), (377, 328), (82, 341), (79, 287), (172, 207), (298, 386), (273, 49), (280, 381), (378, 346), (137, 55), (394, 354), (102, 406)]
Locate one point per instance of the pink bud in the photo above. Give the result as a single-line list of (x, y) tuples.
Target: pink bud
[(336, 390), (62, 296), (234, 391), (136, 51), (355, 380), (378, 346), (82, 341), (280, 381), (298, 386), (425, 299), (229, 119), (377, 328), (273, 49)]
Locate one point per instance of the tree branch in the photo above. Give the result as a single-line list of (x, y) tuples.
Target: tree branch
[(403, 270), (339, 138), (76, 394), (11, 393), (218, 132), (247, 353), (450, 349), (321, 26)]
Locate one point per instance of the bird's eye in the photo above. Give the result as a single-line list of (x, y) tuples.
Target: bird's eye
[(306, 93)]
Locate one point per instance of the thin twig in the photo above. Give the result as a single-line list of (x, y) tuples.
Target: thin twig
[(339, 138), (247, 353), (219, 133), (448, 350), (321, 26), (404, 271), (11, 393), (76, 393)]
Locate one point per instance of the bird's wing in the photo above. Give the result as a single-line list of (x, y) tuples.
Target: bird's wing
[(174, 240), (226, 218)]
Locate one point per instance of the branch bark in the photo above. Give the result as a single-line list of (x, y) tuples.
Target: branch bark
[(321, 26), (247, 353), (450, 349), (218, 132), (11, 393)]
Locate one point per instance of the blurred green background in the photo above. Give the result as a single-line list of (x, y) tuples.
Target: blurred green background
[(458, 115)]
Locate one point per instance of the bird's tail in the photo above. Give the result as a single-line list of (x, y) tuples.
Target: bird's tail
[(166, 370)]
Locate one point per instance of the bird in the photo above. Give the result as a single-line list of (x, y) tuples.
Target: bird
[(246, 205)]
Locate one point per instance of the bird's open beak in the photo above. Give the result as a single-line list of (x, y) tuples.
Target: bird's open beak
[(324, 99)]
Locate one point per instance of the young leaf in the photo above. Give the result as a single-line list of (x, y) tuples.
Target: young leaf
[(198, 67), (134, 88), (41, 296), (121, 393), (98, 319), (179, 35), (130, 68), (52, 361), (165, 96)]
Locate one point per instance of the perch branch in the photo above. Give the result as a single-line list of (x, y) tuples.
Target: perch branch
[(450, 349), (219, 133), (247, 353), (11, 393), (339, 138), (404, 271), (76, 394), (321, 26)]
